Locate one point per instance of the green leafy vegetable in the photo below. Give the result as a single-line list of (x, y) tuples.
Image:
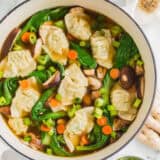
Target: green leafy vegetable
[(101, 140), (41, 76), (8, 88), (126, 51), (107, 85), (84, 57), (39, 109), (57, 148)]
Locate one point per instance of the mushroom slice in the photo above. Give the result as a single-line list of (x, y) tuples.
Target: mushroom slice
[(8, 44), (53, 80), (38, 48), (118, 124), (94, 83), (18, 63), (89, 72), (78, 23), (102, 48), (101, 72), (82, 123), (25, 99), (140, 87), (127, 77), (55, 43), (18, 126)]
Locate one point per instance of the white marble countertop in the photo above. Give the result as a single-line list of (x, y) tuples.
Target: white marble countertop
[(134, 147)]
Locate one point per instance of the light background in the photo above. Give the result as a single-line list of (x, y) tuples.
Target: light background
[(134, 148)]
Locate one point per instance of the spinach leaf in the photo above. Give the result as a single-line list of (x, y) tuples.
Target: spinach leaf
[(8, 88), (39, 109), (101, 141), (84, 56), (126, 51), (57, 148), (41, 76)]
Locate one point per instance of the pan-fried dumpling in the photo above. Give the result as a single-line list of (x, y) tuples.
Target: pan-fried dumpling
[(25, 99), (103, 52), (18, 63), (73, 85), (82, 123), (55, 42), (78, 23), (18, 126)]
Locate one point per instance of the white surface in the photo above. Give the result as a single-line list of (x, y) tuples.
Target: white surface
[(134, 148)]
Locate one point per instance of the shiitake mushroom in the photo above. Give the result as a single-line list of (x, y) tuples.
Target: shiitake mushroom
[(52, 81), (140, 87), (127, 77)]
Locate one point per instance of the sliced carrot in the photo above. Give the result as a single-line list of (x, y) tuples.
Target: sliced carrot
[(44, 128), (48, 23), (115, 73), (25, 37), (107, 130), (70, 37), (84, 140), (54, 103), (102, 121), (72, 54), (60, 128), (24, 84)]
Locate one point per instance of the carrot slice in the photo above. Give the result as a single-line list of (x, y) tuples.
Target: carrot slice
[(25, 37), (102, 121), (44, 128), (115, 73), (24, 84), (107, 130), (72, 54), (54, 103), (60, 128), (84, 140)]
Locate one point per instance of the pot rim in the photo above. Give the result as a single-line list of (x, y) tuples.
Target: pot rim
[(154, 66)]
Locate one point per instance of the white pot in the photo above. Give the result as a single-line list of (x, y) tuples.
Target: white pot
[(28, 8)]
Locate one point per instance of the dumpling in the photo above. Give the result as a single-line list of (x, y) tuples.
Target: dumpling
[(18, 63), (55, 42), (18, 126), (102, 49), (78, 23), (82, 123), (123, 100), (25, 99), (73, 85)]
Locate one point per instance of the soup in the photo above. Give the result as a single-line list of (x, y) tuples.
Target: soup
[(71, 81)]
